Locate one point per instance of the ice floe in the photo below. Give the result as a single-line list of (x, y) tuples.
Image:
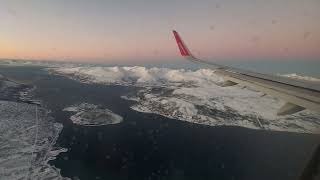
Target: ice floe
[(92, 115), (197, 97), (14, 91), (27, 141)]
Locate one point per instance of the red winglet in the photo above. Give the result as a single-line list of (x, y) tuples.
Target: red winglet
[(182, 47)]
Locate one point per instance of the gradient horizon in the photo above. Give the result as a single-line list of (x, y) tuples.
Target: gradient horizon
[(141, 30)]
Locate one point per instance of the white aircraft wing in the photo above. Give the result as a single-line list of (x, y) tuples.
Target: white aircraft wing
[(298, 94)]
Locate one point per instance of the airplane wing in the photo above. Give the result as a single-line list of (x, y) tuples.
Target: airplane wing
[(298, 94)]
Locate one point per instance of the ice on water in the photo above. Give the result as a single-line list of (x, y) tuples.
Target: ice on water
[(27, 138)]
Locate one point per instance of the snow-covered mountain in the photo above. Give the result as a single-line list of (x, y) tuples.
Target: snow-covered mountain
[(196, 96)]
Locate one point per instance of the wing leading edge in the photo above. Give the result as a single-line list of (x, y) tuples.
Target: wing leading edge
[(299, 95)]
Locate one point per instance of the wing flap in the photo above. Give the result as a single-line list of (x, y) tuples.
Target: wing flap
[(289, 108)]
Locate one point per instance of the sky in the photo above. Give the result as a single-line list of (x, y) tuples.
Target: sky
[(141, 30)]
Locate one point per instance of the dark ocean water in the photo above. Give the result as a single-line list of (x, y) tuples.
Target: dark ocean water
[(148, 146)]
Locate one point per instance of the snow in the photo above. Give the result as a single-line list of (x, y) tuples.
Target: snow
[(242, 100), (27, 142), (92, 115), (197, 97), (249, 110), (299, 77), (138, 75)]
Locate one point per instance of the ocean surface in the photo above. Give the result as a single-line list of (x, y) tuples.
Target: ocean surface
[(148, 146)]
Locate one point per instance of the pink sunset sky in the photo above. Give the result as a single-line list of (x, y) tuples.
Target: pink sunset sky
[(129, 30)]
